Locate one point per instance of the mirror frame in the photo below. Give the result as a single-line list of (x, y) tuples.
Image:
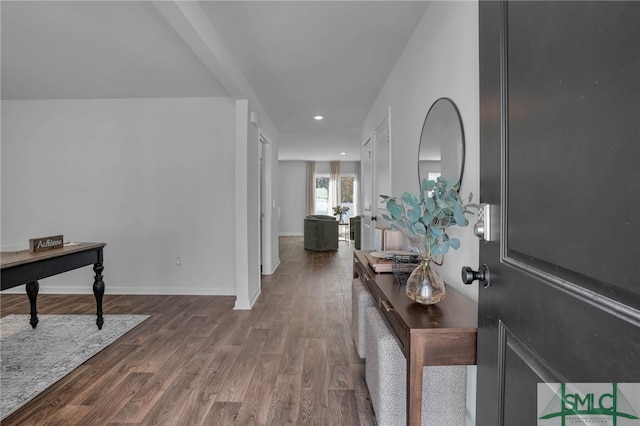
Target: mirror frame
[(464, 148)]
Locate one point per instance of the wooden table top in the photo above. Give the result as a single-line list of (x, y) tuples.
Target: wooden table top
[(15, 258)]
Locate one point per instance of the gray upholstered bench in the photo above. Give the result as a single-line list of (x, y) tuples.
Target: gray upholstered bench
[(443, 387), (361, 299)]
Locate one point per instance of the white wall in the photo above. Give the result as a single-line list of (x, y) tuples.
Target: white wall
[(153, 178), (440, 60), (292, 188)]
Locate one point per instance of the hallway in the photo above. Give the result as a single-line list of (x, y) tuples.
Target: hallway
[(196, 361)]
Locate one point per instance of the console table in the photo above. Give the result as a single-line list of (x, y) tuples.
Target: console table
[(25, 267), (440, 334)]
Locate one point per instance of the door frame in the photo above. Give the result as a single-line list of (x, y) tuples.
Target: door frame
[(366, 169), (266, 202)]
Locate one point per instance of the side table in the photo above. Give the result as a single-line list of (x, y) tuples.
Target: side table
[(343, 232)]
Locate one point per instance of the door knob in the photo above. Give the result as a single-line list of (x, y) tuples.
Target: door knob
[(482, 275)]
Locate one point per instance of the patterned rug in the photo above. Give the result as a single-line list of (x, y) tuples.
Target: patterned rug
[(32, 360)]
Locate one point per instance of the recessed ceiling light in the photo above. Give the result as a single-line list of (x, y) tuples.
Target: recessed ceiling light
[(343, 153), (318, 117)]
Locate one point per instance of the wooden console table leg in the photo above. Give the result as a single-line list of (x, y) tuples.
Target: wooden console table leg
[(98, 291), (32, 291), (415, 362)]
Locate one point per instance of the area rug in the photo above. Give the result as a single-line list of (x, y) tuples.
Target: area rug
[(34, 359)]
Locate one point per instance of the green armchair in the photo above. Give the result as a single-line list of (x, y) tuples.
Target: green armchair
[(320, 233)]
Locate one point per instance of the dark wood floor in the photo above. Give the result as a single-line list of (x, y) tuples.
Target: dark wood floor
[(196, 361)]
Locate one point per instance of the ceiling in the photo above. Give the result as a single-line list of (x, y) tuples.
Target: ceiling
[(299, 58)]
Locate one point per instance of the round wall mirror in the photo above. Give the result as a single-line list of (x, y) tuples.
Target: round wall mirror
[(441, 150)]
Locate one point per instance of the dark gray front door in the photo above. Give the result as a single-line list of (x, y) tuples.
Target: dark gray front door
[(560, 163)]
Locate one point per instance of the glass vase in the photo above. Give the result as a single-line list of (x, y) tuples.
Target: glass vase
[(424, 285)]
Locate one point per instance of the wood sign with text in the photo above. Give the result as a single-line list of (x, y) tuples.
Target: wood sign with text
[(45, 243)]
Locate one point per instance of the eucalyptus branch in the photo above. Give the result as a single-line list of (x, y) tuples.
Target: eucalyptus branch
[(424, 219)]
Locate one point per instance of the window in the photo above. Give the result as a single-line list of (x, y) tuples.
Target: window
[(347, 195), (322, 195), (346, 190), (432, 176)]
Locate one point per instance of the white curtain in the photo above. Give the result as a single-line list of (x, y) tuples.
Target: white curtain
[(334, 184), (311, 188), (357, 195)]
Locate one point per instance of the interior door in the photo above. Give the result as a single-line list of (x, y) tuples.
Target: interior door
[(381, 177), (367, 224), (376, 180), (560, 166)]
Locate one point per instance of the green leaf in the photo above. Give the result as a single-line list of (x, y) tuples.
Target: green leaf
[(443, 204), (410, 199), (443, 248), (431, 206), (426, 218), (436, 232), (439, 249), (395, 209), (394, 227), (458, 214), (454, 243), (452, 182), (413, 215), (419, 228), (470, 207), (427, 185)]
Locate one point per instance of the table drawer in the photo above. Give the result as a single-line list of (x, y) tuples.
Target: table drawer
[(365, 275), (396, 323), (386, 307)]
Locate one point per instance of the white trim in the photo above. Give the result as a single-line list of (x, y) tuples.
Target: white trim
[(241, 214), (248, 304), (267, 201)]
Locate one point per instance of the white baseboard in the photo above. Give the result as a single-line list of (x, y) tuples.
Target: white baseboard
[(291, 234), (241, 306), (273, 270), (133, 291)]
